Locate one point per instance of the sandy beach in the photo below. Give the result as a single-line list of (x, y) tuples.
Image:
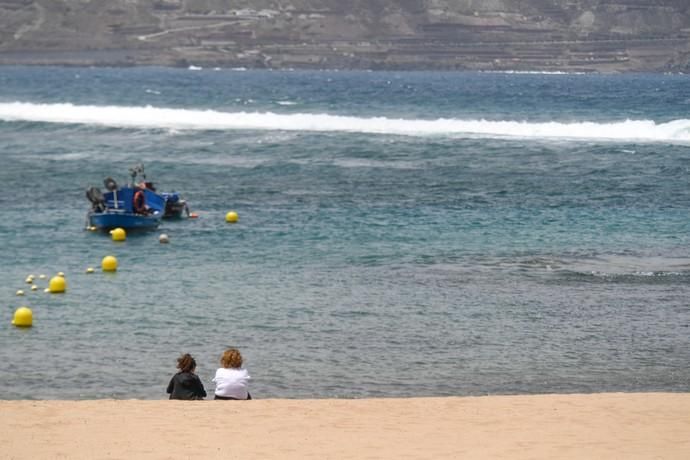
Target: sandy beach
[(601, 426)]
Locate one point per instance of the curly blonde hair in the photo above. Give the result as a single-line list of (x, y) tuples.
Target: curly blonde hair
[(232, 358)]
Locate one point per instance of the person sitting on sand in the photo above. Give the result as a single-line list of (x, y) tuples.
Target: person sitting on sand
[(186, 384), (232, 379)]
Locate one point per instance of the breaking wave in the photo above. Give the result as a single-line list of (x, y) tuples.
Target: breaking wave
[(676, 131)]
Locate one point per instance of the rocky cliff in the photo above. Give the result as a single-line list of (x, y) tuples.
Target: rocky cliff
[(567, 35)]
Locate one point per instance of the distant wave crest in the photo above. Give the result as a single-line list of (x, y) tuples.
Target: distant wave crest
[(676, 131), (615, 267)]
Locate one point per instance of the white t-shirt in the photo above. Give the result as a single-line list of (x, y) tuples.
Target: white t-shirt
[(232, 383)]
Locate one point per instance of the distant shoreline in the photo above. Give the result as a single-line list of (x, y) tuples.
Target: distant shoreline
[(124, 58), (202, 67)]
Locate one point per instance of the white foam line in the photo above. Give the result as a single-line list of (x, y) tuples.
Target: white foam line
[(677, 131)]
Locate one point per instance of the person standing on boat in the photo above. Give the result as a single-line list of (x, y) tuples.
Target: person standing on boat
[(139, 202)]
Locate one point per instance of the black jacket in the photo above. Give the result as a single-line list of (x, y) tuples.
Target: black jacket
[(185, 385)]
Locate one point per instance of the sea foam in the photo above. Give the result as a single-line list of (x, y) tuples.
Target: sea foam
[(676, 131)]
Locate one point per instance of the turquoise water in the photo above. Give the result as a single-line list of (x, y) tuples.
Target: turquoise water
[(400, 234)]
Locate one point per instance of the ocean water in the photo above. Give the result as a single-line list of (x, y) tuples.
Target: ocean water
[(400, 233)]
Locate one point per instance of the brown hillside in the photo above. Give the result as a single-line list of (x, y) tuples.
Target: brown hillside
[(586, 35)]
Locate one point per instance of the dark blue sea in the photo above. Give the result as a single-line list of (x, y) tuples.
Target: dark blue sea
[(399, 234)]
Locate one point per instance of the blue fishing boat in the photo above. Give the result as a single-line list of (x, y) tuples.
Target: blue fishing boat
[(130, 207)]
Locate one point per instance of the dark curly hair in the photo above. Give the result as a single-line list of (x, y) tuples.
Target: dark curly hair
[(232, 358), (186, 363)]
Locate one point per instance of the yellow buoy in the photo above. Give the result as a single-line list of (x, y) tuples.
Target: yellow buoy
[(20, 292), (23, 317), (90, 270), (231, 217), (109, 264), (118, 234), (57, 284)]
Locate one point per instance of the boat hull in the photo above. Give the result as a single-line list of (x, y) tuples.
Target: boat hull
[(129, 221)]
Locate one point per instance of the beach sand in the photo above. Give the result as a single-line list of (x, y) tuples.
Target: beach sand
[(597, 426)]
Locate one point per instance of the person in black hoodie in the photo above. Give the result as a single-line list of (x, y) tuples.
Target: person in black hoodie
[(186, 384)]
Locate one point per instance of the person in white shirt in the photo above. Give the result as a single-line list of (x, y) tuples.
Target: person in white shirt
[(232, 380)]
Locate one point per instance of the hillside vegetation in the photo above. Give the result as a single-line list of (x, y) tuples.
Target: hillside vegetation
[(582, 35)]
